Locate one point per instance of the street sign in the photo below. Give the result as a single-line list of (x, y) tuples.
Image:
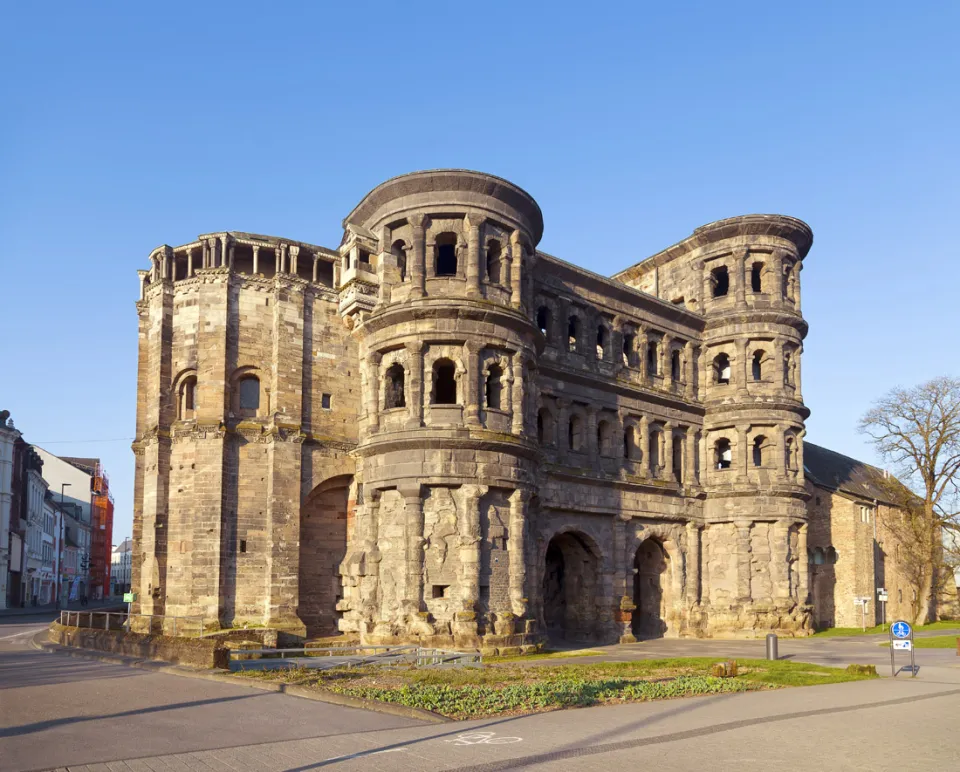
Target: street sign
[(129, 597), (881, 590), (903, 645), (882, 597), (901, 629)]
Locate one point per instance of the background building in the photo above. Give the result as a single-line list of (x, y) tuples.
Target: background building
[(120, 570), (10, 556)]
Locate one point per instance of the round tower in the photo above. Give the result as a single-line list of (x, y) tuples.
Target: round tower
[(436, 285), (752, 449)]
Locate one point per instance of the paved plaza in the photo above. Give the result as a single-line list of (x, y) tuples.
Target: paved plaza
[(62, 712)]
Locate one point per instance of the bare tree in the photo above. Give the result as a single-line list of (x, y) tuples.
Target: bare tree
[(917, 430)]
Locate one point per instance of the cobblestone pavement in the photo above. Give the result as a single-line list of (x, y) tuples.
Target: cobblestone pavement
[(65, 713)]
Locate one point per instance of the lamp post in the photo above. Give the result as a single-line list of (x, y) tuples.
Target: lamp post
[(63, 486)]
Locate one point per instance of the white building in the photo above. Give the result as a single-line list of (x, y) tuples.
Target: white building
[(121, 562), (8, 436), (33, 545)]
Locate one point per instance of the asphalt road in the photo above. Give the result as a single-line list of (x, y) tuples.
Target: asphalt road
[(58, 711)]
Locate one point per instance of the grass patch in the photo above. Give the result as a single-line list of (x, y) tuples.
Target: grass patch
[(512, 688), (835, 632), (546, 655), (933, 642)]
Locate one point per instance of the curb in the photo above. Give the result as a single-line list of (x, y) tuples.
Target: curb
[(40, 643)]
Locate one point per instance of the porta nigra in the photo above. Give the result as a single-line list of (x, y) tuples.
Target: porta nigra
[(437, 433)]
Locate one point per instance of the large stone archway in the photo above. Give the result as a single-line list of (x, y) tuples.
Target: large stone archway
[(651, 589), (323, 545), (571, 581)]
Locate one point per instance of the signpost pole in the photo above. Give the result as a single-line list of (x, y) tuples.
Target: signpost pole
[(893, 667)]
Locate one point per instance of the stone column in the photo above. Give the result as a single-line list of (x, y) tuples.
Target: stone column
[(469, 528), (472, 224), (798, 266), (738, 277), (707, 286), (416, 385), (642, 354), (276, 260), (744, 553), (516, 271), (690, 470), (645, 470), (518, 388), (473, 392), (668, 451), (743, 453), (803, 565), (778, 379), (256, 259), (190, 262), (294, 259), (665, 369), (413, 533), (519, 502), (776, 275), (316, 262), (224, 254), (693, 564), (373, 392), (781, 560), (742, 367), (796, 373), (232, 251), (417, 265), (689, 387), (800, 475), (563, 420), (336, 274)]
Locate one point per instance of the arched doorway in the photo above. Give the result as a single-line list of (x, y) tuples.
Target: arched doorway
[(323, 545), (570, 588), (651, 588)]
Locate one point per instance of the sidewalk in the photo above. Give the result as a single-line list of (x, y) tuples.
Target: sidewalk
[(51, 609)]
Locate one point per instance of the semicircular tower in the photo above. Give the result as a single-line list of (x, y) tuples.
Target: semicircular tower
[(755, 510), (436, 285)]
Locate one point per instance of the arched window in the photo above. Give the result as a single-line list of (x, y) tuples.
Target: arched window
[(790, 454), (573, 332), (675, 366), (818, 556), (544, 317), (832, 556), (653, 450), (602, 340), (444, 382), (630, 450), (758, 443), (188, 398), (545, 427), (604, 438), (756, 277), (758, 365), (249, 395), (574, 433), (653, 357), (446, 251), (629, 348), (494, 386), (399, 252), (394, 396), (720, 281), (493, 261), (723, 454), (721, 369)]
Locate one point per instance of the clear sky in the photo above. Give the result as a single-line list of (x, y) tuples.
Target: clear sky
[(125, 127)]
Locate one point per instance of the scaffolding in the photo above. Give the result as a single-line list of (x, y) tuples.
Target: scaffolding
[(101, 540)]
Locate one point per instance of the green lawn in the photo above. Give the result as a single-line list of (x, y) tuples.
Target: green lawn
[(933, 642), (512, 688), (832, 632)]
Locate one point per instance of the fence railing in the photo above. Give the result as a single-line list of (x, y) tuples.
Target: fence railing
[(324, 658), (153, 624)]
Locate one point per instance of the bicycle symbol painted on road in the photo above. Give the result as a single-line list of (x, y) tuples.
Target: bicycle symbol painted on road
[(482, 738)]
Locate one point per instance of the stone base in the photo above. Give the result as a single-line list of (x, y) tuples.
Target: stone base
[(755, 620)]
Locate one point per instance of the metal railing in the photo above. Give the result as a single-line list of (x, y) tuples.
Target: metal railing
[(152, 624), (325, 658)]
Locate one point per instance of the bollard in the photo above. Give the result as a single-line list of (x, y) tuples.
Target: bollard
[(772, 652)]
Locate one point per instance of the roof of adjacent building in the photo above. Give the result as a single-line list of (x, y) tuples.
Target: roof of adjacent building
[(88, 465), (835, 471), (125, 546)]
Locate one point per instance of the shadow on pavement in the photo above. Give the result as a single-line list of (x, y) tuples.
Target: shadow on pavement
[(40, 726), (19, 669)]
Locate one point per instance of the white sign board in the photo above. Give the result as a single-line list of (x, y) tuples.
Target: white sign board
[(903, 645)]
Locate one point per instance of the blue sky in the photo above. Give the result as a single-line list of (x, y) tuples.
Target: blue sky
[(126, 127)]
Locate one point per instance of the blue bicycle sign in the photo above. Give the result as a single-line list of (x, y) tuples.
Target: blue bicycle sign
[(900, 629)]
